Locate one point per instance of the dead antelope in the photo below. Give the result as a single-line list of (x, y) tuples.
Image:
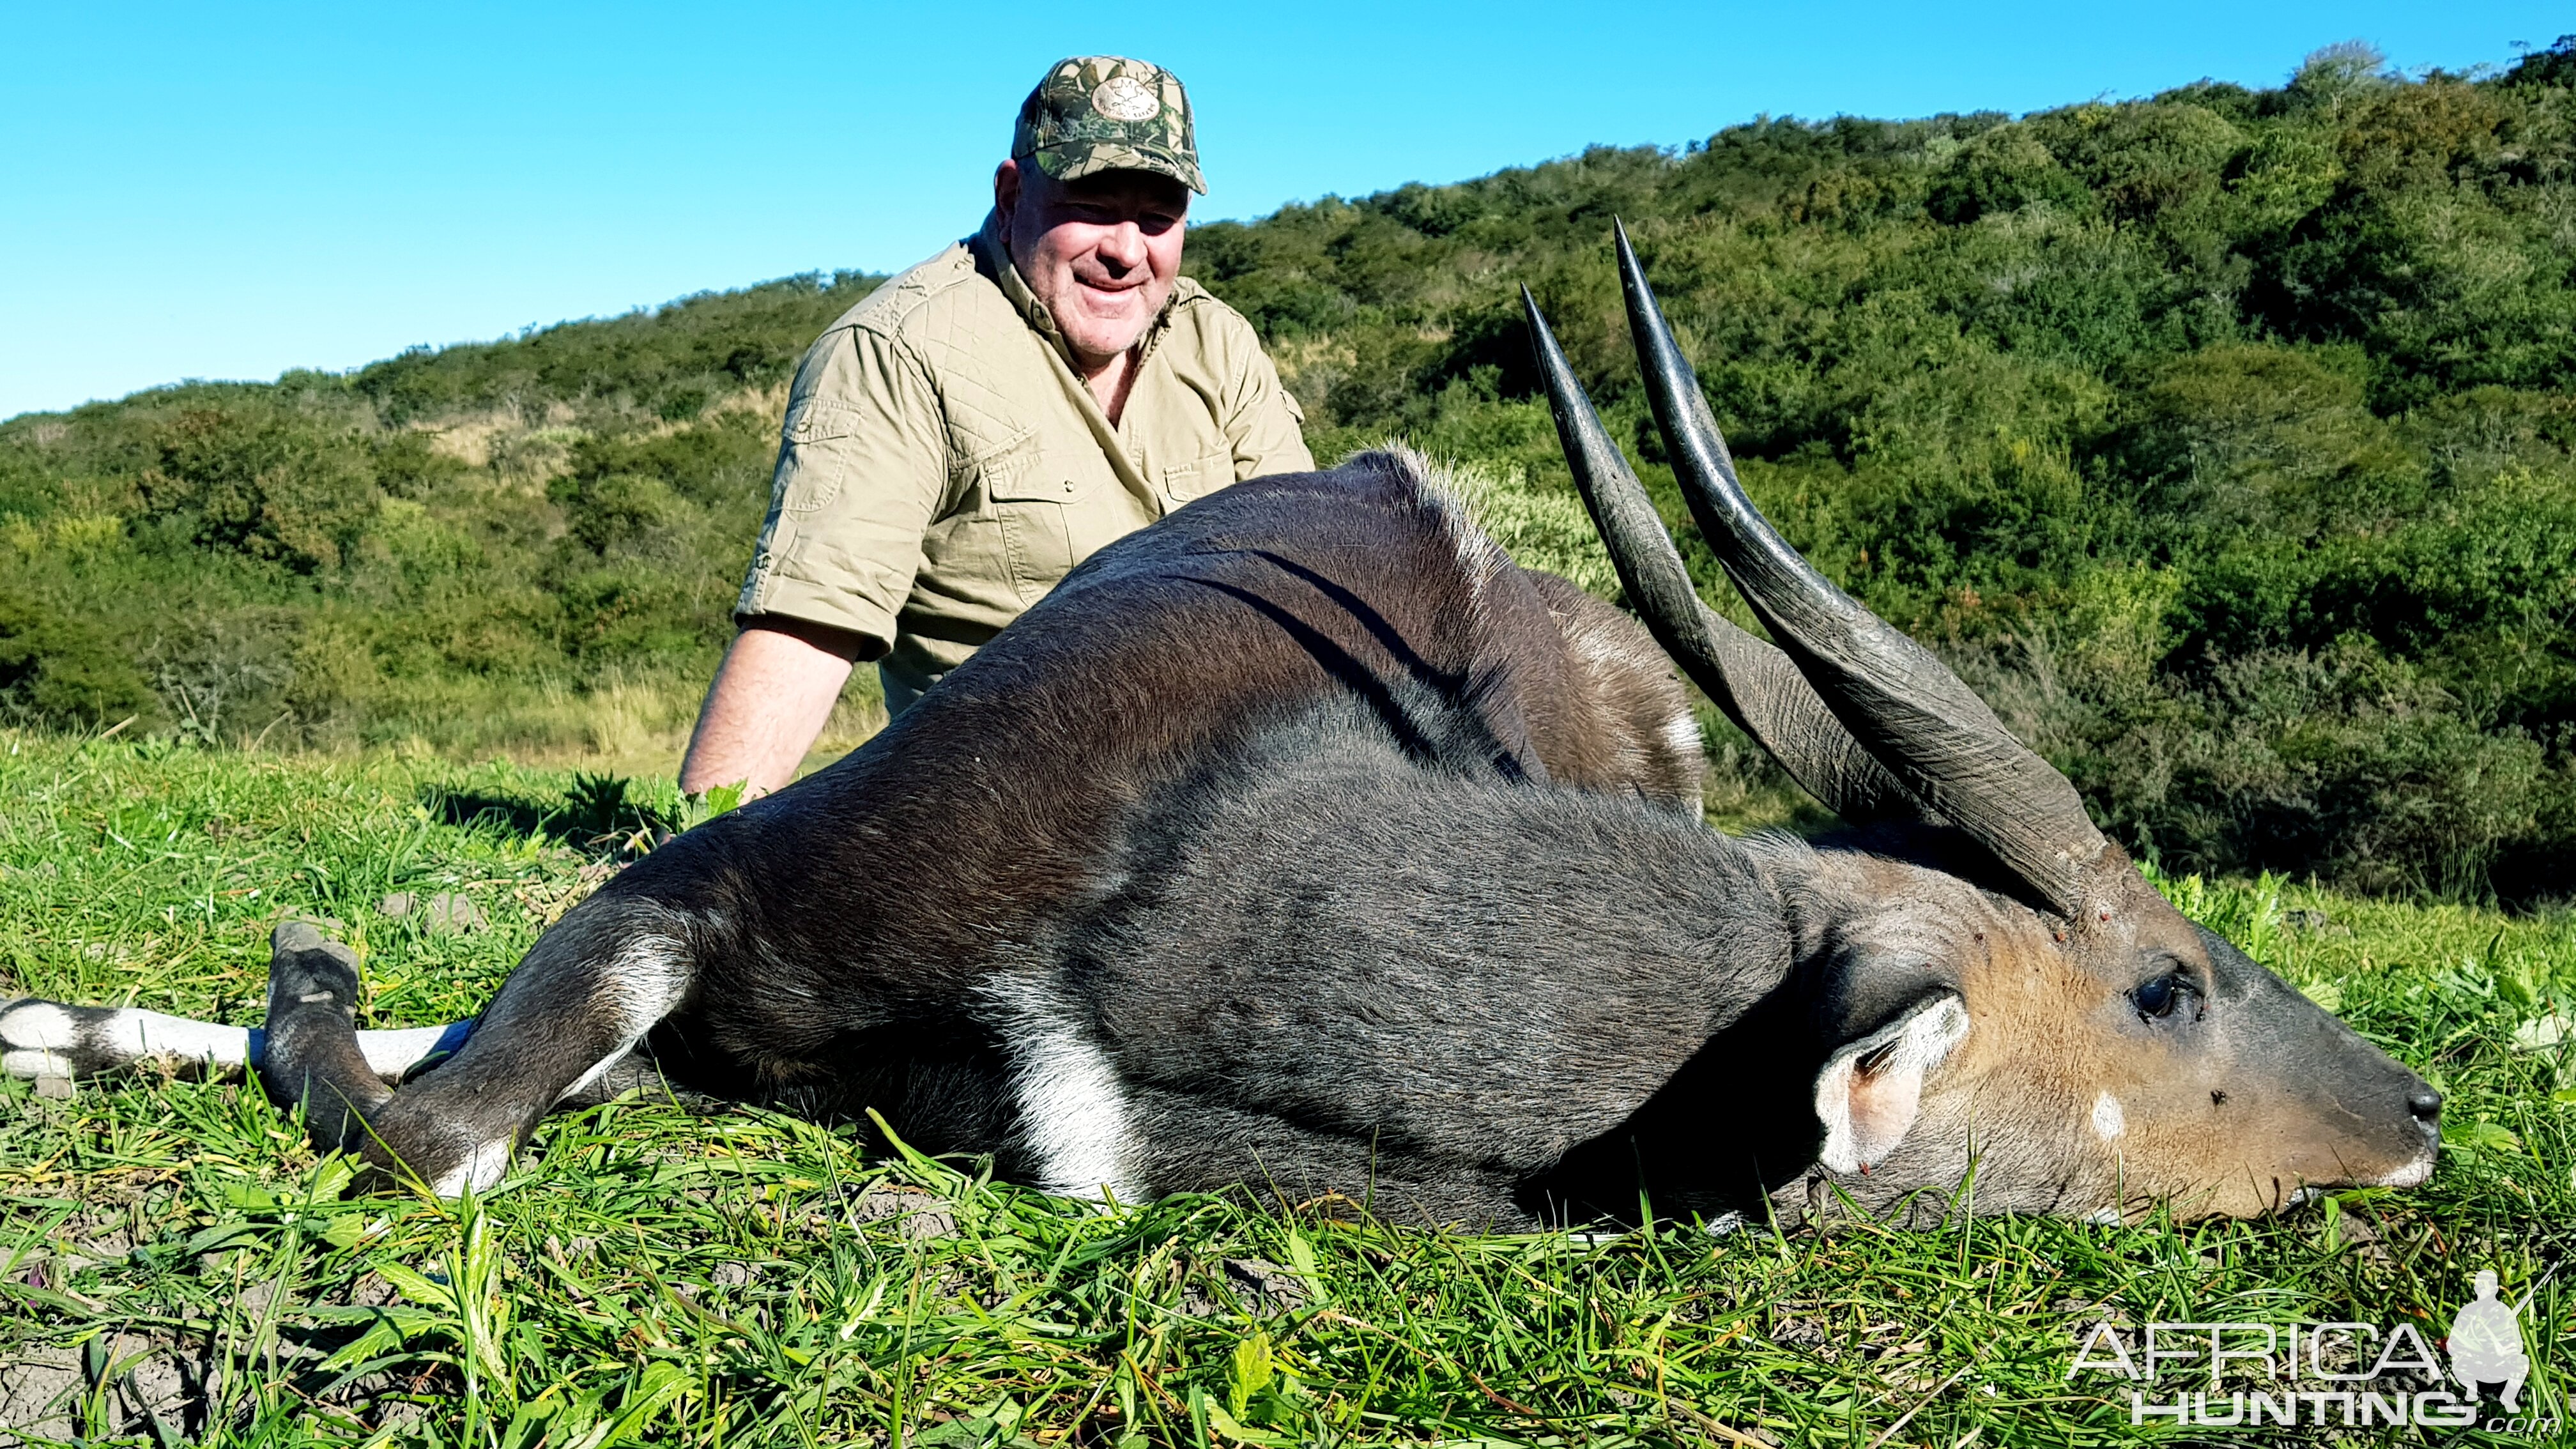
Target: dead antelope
[(1303, 843)]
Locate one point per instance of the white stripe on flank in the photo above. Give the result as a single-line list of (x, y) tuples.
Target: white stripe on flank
[(1073, 1108)]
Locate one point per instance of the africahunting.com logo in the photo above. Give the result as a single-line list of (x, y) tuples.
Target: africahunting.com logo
[(2347, 1375)]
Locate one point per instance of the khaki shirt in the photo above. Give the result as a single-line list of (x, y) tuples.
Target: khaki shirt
[(943, 465)]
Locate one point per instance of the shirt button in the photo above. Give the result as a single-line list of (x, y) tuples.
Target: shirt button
[(1068, 485)]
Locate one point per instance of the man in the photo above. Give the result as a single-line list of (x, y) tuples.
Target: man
[(961, 439)]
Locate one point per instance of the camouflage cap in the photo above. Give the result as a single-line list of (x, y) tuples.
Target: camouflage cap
[(1097, 113)]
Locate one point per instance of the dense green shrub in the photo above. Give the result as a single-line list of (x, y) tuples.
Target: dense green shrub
[(64, 671), (409, 465), (263, 484), (2551, 68), (2004, 170)]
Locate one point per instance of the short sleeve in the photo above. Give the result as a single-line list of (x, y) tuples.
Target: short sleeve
[(1262, 421), (862, 465)]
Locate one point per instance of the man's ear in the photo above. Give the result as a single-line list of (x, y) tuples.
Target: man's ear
[(1869, 1091), (1008, 181)]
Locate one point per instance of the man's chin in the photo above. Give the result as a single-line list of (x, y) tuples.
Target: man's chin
[(1100, 336)]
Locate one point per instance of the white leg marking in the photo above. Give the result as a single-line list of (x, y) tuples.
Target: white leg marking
[(1073, 1108), (481, 1168), (389, 1054), (151, 1034), (29, 1065), (43, 1039), (33, 1037), (598, 1070), (647, 978), (39, 1025), (650, 977), (2109, 1122)]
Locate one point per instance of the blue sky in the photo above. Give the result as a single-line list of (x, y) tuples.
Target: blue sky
[(230, 191)]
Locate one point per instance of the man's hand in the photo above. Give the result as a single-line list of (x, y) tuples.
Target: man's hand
[(768, 704)]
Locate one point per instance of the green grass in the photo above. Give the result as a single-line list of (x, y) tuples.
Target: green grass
[(650, 1274)]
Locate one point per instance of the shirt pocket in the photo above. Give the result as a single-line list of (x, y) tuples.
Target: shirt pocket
[(1199, 476), (811, 468), (1030, 494)]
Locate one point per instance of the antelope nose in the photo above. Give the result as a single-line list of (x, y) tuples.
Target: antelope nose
[(2426, 1105)]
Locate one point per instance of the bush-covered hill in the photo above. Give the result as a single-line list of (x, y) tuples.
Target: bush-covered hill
[(2227, 438), (528, 544)]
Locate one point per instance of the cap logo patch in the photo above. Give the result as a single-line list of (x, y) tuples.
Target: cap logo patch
[(1120, 98)]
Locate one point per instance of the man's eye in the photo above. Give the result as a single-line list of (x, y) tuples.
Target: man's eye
[(2158, 998)]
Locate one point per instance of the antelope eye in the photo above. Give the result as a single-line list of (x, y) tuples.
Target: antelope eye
[(2157, 999)]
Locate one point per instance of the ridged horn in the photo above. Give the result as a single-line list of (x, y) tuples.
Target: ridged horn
[(1920, 721), (1757, 686)]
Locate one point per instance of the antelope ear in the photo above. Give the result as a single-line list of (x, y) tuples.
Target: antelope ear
[(1869, 1091)]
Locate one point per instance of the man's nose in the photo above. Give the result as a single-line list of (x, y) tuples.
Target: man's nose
[(1123, 246)]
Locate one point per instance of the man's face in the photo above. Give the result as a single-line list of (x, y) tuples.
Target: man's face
[(1101, 252)]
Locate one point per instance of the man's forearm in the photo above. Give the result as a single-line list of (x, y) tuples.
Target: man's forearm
[(767, 706)]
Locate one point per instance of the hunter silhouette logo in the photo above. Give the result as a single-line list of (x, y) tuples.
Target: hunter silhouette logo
[(2486, 1344), (2249, 1375)]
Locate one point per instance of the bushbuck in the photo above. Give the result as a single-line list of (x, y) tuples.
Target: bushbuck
[(1304, 844)]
